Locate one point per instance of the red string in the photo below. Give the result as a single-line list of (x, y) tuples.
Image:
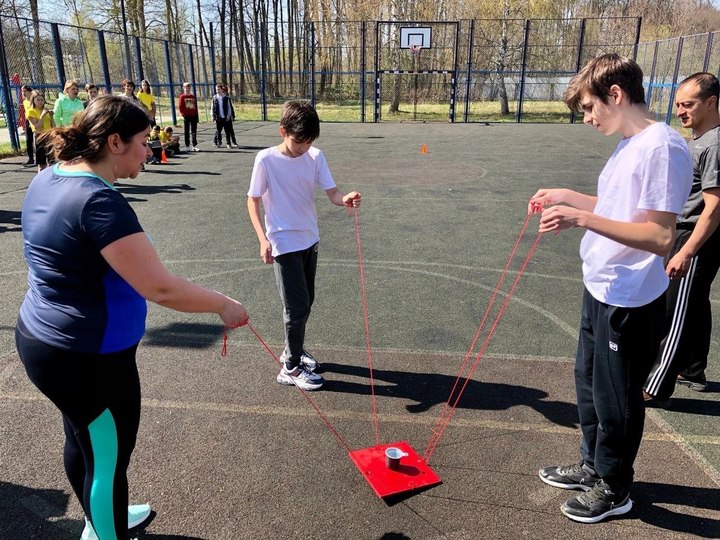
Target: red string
[(223, 351), (303, 392), (368, 348), (449, 409), (493, 296)]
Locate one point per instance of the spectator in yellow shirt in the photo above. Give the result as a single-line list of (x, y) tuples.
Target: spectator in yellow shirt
[(40, 120), (148, 100)]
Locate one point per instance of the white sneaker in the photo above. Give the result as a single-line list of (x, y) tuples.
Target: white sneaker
[(300, 377), (137, 514), (188, 149), (309, 361), (229, 145), (195, 149)]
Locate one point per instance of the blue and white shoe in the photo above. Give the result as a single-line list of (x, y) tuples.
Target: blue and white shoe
[(137, 514), (309, 361), (300, 377)]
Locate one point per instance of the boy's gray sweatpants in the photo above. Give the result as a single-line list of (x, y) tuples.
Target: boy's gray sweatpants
[(295, 276)]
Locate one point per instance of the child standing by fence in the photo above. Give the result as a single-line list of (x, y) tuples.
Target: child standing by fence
[(40, 120), (188, 107), (223, 114)]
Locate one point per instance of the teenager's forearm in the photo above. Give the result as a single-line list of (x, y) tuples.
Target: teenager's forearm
[(581, 201), (253, 205), (651, 236)]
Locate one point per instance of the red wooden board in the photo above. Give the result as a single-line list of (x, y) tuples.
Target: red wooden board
[(413, 473)]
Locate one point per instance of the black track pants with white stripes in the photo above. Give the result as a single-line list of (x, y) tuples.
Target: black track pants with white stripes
[(684, 349)]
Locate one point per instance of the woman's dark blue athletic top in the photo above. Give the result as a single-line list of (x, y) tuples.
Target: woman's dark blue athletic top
[(75, 300)]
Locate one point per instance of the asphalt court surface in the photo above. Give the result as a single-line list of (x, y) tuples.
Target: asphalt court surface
[(224, 452)]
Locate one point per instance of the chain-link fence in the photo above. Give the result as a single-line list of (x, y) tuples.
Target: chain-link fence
[(45, 55), (358, 71)]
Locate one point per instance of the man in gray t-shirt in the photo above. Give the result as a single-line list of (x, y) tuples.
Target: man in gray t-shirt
[(695, 257)]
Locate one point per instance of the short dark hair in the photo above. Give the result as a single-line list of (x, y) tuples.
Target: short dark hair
[(87, 136), (125, 82), (300, 120), (90, 86), (601, 73), (26, 88), (707, 83)]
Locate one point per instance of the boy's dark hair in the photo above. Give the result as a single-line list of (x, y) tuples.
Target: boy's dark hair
[(300, 120), (87, 136), (26, 88), (707, 83), (600, 74), (90, 86), (125, 82)]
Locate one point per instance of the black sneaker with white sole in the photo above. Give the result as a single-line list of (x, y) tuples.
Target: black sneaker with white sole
[(575, 476), (597, 504)]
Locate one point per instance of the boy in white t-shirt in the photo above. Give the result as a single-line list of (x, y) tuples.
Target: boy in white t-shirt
[(630, 225), (284, 179)]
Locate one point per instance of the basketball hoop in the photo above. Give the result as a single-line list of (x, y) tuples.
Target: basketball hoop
[(415, 49)]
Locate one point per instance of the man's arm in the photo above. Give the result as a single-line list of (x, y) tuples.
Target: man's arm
[(253, 204), (706, 225)]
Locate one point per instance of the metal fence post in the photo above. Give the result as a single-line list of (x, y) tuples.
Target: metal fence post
[(578, 61), (171, 90), (104, 61), (638, 26), (263, 75), (7, 101), (523, 69), (708, 51), (212, 56), (313, 89), (192, 69), (376, 114), (59, 64), (363, 29), (138, 60), (671, 103), (453, 87), (652, 73), (468, 73)]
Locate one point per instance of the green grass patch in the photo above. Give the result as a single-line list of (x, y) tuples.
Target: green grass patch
[(533, 111)]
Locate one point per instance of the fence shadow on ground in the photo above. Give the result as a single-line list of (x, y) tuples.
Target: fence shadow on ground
[(10, 221), (704, 407), (430, 389), (140, 189), (651, 500), (185, 335), (29, 512)]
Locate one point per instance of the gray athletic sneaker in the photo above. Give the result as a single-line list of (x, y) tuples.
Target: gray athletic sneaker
[(300, 377), (597, 504), (575, 476)]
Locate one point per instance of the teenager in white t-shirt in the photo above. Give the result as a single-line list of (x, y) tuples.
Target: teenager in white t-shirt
[(284, 180), (630, 226)]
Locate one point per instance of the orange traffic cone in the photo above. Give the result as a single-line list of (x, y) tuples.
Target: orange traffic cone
[(163, 156), (423, 149)]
